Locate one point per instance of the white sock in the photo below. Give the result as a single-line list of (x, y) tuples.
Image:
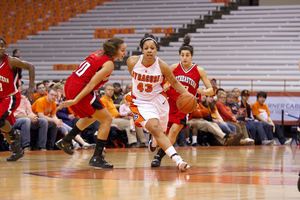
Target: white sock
[(170, 151), (187, 139), (194, 137)]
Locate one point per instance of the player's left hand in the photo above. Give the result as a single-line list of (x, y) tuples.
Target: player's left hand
[(166, 87)]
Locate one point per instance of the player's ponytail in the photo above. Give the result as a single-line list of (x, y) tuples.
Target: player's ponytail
[(186, 44), (112, 45)]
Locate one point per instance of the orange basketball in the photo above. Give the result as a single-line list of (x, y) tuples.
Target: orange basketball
[(186, 103)]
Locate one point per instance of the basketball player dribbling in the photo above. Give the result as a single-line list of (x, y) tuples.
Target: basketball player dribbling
[(10, 98), (148, 100), (189, 75), (79, 89)]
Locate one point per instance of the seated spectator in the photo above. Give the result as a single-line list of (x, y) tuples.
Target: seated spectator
[(216, 117), (117, 97), (236, 93), (45, 107), (240, 114), (127, 89), (26, 120), (196, 122), (126, 113), (261, 112), (41, 91), (213, 83), (217, 92), (260, 131), (46, 84), (122, 124), (229, 117)]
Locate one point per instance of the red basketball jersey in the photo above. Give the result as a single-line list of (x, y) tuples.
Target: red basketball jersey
[(92, 64), (189, 79), (8, 78)]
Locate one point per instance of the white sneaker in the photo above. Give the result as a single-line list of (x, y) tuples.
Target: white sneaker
[(88, 146), (288, 142), (249, 141), (76, 146), (180, 163)]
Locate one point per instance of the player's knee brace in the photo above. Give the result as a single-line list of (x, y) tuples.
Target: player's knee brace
[(2, 122)]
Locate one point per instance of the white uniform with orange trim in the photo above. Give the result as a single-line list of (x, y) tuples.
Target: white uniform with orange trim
[(148, 99)]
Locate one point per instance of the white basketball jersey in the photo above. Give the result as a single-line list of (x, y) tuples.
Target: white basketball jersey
[(147, 82)]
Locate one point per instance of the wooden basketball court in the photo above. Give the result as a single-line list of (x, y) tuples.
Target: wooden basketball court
[(251, 172)]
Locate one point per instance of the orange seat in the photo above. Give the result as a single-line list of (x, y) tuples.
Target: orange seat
[(57, 66), (156, 30), (168, 31)]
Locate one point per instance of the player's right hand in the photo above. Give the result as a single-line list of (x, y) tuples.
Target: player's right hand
[(67, 103)]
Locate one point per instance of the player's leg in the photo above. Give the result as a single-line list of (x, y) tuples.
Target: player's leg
[(172, 135), (153, 125), (7, 108), (65, 143), (105, 119)]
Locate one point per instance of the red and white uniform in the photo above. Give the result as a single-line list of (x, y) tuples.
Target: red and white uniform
[(148, 99), (190, 80), (9, 95), (80, 78)]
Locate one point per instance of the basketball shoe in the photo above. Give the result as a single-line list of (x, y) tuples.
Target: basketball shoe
[(65, 146), (99, 161), (16, 155)]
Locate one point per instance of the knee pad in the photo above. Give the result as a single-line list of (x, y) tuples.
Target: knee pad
[(2, 122)]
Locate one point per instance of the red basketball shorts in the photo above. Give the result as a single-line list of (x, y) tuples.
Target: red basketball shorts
[(88, 105), (8, 105)]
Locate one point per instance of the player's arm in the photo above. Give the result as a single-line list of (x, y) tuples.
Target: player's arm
[(209, 90), (166, 71), (131, 61), (15, 62), (106, 69)]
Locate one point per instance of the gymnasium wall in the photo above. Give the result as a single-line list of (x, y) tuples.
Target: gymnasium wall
[(278, 2)]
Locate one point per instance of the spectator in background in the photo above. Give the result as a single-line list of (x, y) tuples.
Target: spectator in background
[(126, 113), (45, 107), (240, 114), (236, 93), (216, 95), (26, 120), (122, 124), (263, 133), (196, 122), (17, 54), (229, 117), (117, 97), (127, 89), (213, 83), (40, 91), (46, 84), (261, 112)]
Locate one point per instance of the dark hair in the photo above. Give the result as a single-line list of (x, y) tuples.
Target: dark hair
[(38, 84), (46, 81), (186, 44), (261, 94), (111, 46), (147, 37), (14, 52), (211, 105), (3, 40), (220, 89)]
